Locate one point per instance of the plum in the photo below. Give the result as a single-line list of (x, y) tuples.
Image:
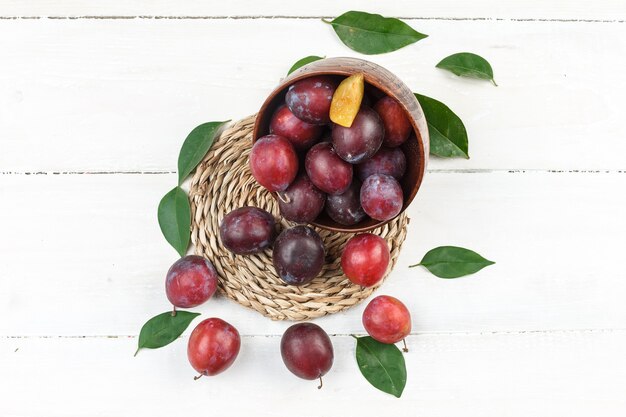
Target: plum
[(309, 99), (213, 346), (190, 281), (365, 259), (387, 319), (394, 117), (301, 134), (327, 171), (247, 230), (360, 141), (388, 161), (298, 255), (346, 208), (307, 351), (381, 197), (273, 162), (302, 201)]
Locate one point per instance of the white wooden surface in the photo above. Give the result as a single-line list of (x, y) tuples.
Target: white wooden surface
[(93, 110)]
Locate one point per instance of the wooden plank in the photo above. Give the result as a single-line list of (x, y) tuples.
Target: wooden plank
[(538, 374), (517, 9), (121, 95), (83, 255)]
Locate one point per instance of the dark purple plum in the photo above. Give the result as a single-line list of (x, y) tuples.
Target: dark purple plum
[(301, 134), (327, 170), (388, 161), (360, 141), (397, 124), (298, 255), (309, 99), (273, 162), (307, 351), (381, 197), (346, 208), (247, 230), (302, 201)]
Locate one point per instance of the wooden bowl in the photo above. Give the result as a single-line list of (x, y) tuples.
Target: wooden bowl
[(381, 82)]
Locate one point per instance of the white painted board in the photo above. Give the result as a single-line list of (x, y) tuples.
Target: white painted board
[(121, 95), (606, 10)]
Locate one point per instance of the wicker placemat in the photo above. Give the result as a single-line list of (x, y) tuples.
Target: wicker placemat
[(223, 182)]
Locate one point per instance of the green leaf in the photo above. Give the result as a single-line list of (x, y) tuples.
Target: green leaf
[(373, 34), (175, 219), (382, 365), (302, 62), (194, 148), (453, 262), (466, 64), (163, 329), (448, 137)]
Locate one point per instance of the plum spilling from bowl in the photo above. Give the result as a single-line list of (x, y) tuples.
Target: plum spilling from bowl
[(274, 162), (365, 259), (298, 255), (335, 151), (247, 230), (302, 201)]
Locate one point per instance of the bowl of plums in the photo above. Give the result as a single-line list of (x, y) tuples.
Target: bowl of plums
[(342, 144)]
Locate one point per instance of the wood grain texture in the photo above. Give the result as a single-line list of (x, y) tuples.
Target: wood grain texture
[(121, 95), (86, 250), (527, 374), (515, 9)]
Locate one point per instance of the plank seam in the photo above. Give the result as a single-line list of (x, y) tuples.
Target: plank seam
[(269, 17), (451, 333)]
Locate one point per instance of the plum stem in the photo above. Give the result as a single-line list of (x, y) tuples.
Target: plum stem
[(174, 311), (197, 377), (321, 383), (404, 349)]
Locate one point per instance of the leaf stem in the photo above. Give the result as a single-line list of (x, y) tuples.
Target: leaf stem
[(323, 19), (404, 349), (136, 352), (413, 266), (494, 82)]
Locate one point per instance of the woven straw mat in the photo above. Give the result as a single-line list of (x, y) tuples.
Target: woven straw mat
[(221, 183)]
